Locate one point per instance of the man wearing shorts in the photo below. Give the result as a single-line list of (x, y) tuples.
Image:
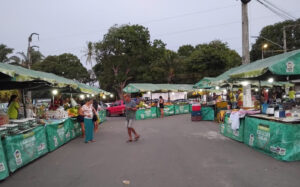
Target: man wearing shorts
[(130, 116)]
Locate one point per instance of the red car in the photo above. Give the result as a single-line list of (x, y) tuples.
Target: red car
[(116, 108)]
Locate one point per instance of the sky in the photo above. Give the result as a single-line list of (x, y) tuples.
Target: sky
[(67, 25)]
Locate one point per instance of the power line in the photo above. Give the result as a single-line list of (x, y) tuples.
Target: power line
[(187, 14), (276, 7), (278, 12)]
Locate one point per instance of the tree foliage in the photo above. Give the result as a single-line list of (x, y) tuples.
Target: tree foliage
[(127, 55), (4, 52), (275, 34), (66, 65), (210, 60), (122, 56)]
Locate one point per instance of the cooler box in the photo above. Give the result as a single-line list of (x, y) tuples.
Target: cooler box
[(196, 107)]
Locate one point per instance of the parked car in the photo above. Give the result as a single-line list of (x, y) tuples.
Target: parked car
[(117, 108)]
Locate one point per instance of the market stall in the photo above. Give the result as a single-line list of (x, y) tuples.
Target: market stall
[(272, 136), (146, 113), (276, 132), (24, 147), (60, 132), (27, 139), (169, 90)]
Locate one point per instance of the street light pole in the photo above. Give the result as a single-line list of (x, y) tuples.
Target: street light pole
[(29, 48)]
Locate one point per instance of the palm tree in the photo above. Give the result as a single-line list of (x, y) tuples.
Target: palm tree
[(4, 51), (89, 53)]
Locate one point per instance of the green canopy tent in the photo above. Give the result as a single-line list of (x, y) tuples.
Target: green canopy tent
[(17, 77), (205, 83), (285, 66), (140, 88), (148, 87)]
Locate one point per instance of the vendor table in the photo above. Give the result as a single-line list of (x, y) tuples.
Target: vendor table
[(168, 110), (226, 130), (182, 109), (146, 113), (60, 132), (21, 149), (278, 139), (102, 115), (208, 114), (3, 166)]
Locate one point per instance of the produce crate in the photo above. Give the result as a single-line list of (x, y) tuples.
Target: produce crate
[(196, 118), (21, 149), (196, 113)]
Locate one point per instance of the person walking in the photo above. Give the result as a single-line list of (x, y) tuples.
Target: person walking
[(88, 111), (130, 116), (161, 106)]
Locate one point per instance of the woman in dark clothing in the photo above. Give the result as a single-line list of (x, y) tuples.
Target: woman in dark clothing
[(80, 119), (161, 106), (95, 115)]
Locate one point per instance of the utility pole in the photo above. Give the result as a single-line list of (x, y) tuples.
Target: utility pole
[(29, 48), (245, 32), (284, 40)]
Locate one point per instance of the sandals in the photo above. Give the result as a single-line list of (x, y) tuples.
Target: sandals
[(129, 141), (137, 138)]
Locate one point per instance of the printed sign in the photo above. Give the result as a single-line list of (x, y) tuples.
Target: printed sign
[(290, 67)]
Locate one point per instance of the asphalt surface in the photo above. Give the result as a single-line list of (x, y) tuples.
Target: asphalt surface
[(172, 152)]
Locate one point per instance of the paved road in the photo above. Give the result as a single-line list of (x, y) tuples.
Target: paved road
[(173, 152)]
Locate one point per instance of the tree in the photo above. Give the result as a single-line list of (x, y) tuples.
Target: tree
[(89, 53), (210, 60), (275, 34), (122, 56), (185, 50), (66, 65), (4, 52)]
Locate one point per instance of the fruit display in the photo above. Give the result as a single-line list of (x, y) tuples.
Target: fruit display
[(143, 105), (168, 103), (73, 112)]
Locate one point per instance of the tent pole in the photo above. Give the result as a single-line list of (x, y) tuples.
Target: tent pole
[(24, 102), (259, 94)]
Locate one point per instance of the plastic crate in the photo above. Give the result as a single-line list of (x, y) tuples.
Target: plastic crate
[(196, 118)]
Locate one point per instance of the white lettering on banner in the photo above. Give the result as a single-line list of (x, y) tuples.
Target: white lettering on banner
[(2, 167), (55, 141), (68, 135), (28, 145), (61, 133), (41, 147), (251, 140), (278, 150), (290, 67)]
